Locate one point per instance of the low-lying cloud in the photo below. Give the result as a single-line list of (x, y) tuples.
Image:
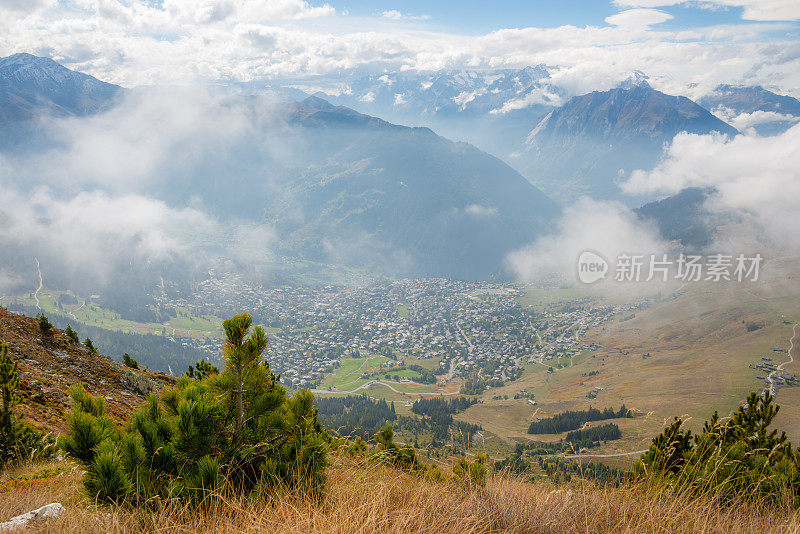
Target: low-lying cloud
[(758, 176)]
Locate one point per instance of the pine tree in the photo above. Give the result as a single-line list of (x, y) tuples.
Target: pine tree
[(234, 431), (241, 353), (9, 382), (18, 440), (90, 345), (201, 369), (72, 335), (45, 327), (129, 362)]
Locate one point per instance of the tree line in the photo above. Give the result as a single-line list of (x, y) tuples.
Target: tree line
[(571, 420)]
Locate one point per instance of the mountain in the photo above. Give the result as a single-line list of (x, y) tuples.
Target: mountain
[(584, 146), (683, 218), (767, 113), (49, 365), (406, 198), (336, 186), (31, 85), (488, 108)]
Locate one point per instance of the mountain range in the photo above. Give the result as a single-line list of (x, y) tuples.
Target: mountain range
[(585, 146), (348, 189), (767, 113)]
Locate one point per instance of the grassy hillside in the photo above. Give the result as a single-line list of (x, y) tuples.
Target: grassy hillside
[(366, 498)]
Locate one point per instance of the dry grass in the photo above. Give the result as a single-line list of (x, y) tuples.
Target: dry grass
[(363, 498)]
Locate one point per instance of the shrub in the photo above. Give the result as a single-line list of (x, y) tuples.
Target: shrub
[(18, 439), (201, 369), (90, 346), (44, 325), (129, 362), (236, 431), (471, 474), (736, 458), (72, 335)]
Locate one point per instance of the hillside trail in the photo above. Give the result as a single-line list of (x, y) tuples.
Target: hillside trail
[(794, 341), (36, 293)]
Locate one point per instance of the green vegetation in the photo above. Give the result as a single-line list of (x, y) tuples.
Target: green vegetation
[(354, 415), (236, 431), (129, 362), (18, 440), (732, 459), (571, 420), (589, 437), (44, 326), (71, 334), (201, 369)]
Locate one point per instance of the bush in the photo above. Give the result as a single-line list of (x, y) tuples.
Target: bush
[(18, 439), (72, 335), (44, 325), (201, 369), (236, 431), (732, 459), (90, 346), (471, 474), (129, 362)]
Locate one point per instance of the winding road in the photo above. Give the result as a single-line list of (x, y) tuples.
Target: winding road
[(771, 376), (388, 385), (614, 455), (36, 293)]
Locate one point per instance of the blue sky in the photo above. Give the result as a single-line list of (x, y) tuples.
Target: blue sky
[(475, 16)]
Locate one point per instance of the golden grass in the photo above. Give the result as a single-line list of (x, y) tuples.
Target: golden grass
[(367, 498)]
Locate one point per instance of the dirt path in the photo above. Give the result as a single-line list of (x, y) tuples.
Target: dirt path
[(72, 313), (771, 376), (388, 385), (36, 293), (605, 455)]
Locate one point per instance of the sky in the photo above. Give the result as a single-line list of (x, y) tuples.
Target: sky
[(684, 46)]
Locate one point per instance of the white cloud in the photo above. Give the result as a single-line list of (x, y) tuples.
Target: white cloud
[(394, 14), (608, 228), (134, 43), (638, 18), (746, 122), (762, 10), (536, 96), (478, 210), (756, 175)]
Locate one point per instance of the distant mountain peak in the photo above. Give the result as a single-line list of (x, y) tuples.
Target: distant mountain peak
[(32, 85), (635, 79)]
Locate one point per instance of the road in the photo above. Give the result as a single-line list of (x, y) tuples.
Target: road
[(36, 294), (605, 455), (72, 313), (388, 385), (771, 376)]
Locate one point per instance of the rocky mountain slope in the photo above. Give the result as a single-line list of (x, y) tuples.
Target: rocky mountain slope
[(30, 85), (767, 113), (585, 146), (50, 365)]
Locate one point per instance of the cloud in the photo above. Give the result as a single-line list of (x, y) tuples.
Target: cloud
[(394, 14), (539, 95), (638, 18), (747, 122), (478, 210), (91, 233), (608, 228), (761, 10), (143, 43), (757, 176)]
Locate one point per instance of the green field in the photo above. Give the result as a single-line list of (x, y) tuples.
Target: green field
[(185, 324)]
